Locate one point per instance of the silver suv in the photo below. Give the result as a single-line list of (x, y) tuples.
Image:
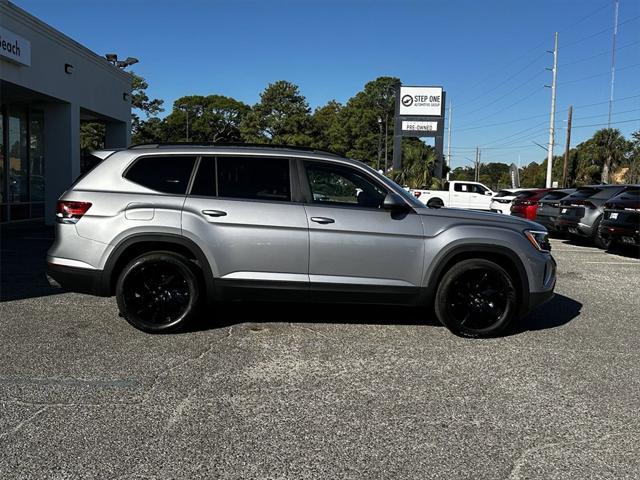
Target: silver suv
[(170, 229)]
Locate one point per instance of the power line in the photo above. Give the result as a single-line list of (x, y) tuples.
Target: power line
[(604, 114), (612, 123), (587, 105), (503, 82), (598, 75), (599, 32), (601, 54)]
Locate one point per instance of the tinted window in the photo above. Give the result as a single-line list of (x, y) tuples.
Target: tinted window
[(461, 187), (607, 193), (584, 192), (555, 195), (343, 186), (168, 174), (205, 181), (528, 194), (254, 178)]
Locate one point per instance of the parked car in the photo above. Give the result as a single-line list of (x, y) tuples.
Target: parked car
[(525, 204), (501, 201), (621, 222), (582, 211), (458, 194), (549, 208), (170, 229)]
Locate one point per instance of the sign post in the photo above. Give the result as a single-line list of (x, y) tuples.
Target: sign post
[(419, 113)]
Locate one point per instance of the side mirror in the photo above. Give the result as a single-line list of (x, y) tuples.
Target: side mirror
[(488, 193), (394, 203)]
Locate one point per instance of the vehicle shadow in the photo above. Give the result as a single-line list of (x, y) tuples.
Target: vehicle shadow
[(558, 311), (628, 251), (23, 251), (226, 314)]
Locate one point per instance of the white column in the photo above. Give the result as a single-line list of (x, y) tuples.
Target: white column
[(61, 152)]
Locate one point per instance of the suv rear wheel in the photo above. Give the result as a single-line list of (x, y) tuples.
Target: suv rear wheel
[(476, 298), (158, 292)]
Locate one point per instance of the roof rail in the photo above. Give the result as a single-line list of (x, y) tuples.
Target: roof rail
[(240, 145)]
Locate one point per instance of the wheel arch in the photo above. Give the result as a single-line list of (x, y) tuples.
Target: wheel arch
[(503, 256), (138, 244)]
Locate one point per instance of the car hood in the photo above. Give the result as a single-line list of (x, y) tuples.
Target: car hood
[(486, 218)]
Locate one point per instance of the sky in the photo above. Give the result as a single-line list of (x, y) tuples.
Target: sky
[(489, 55)]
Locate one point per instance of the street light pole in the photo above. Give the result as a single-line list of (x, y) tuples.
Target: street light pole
[(386, 136), (186, 111), (379, 143)]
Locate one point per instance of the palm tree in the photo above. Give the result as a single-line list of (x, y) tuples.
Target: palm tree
[(609, 148), (417, 164)]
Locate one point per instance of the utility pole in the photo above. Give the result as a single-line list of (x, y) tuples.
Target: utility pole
[(613, 62), (566, 148), (554, 71), (449, 143), (477, 162)]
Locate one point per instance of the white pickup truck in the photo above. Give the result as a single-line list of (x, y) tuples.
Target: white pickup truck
[(457, 194)]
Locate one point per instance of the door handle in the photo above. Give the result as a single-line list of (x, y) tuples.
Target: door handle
[(214, 213), (323, 220)]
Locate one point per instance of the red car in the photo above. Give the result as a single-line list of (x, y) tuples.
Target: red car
[(525, 204)]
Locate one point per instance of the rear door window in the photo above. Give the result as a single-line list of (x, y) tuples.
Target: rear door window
[(254, 178), (166, 174)]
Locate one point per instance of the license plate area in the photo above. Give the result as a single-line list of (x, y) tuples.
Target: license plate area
[(627, 240), (573, 230)]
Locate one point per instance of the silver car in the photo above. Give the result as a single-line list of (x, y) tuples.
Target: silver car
[(171, 229)]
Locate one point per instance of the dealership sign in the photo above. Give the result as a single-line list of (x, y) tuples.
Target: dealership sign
[(14, 47), (408, 126), (423, 101)]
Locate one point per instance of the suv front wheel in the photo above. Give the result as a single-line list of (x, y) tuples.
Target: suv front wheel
[(476, 298), (158, 292)]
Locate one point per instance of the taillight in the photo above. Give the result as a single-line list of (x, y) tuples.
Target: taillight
[(417, 194), (71, 212)]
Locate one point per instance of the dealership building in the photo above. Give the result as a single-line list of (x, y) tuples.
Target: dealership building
[(49, 84)]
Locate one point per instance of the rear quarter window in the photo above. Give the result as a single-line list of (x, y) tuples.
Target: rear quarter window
[(166, 174)]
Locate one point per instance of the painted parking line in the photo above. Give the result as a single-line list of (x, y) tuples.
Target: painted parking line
[(617, 263)]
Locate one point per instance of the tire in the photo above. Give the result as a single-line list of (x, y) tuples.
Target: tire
[(476, 298), (435, 203), (600, 241), (158, 292)]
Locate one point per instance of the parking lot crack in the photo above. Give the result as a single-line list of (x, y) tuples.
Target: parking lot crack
[(24, 422), (167, 371), (520, 462)]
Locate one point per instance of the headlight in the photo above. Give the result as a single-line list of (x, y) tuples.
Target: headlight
[(539, 239)]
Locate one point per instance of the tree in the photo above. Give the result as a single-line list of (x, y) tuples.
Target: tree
[(418, 162), (281, 117), (328, 130), (212, 118), (607, 148), (141, 103), (360, 119), (633, 174)]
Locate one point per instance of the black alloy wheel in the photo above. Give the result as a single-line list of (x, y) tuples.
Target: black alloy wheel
[(476, 298), (158, 292)]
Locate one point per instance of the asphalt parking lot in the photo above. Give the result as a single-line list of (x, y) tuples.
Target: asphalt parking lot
[(288, 392)]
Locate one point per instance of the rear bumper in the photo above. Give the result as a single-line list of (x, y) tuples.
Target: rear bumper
[(74, 279), (574, 227), (617, 232)]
